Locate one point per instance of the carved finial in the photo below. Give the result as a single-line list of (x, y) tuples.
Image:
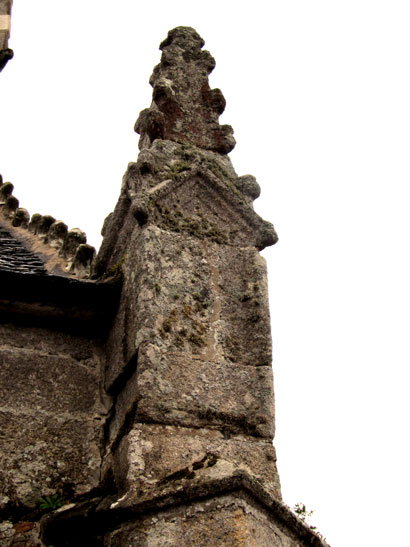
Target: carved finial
[(6, 190), (21, 218), (74, 238), (83, 261), (44, 225), (57, 234), (184, 108)]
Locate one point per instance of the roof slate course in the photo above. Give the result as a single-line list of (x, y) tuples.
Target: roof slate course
[(14, 257)]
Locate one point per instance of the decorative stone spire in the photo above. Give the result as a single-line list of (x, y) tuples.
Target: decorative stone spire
[(184, 108), (183, 180)]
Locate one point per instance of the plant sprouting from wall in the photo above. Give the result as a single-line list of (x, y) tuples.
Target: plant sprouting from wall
[(304, 514), (51, 503)]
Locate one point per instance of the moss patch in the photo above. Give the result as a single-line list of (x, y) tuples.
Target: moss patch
[(116, 270), (197, 226)]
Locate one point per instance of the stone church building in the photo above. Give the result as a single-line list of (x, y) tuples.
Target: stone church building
[(136, 385)]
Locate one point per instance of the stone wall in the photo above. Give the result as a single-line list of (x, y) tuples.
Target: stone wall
[(53, 405), (52, 409), (5, 16)]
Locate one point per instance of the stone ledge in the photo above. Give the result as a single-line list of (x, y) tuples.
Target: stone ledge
[(151, 457), (105, 515)]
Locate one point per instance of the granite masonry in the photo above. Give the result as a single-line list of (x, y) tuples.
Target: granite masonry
[(136, 385)]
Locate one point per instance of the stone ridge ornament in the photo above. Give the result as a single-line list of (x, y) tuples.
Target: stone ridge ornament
[(63, 252)]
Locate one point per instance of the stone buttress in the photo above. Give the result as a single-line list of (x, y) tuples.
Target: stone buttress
[(189, 441), (189, 355)]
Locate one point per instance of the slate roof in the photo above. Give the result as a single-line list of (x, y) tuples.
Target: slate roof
[(31, 293), (14, 257)]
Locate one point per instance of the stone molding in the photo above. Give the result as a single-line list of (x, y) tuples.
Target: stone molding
[(102, 516)]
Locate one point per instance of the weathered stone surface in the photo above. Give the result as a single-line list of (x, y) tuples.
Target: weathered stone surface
[(30, 379), (151, 456), (234, 511), (163, 302), (34, 223), (176, 389), (230, 520), (194, 205), (57, 234), (6, 189), (183, 189), (10, 206), (191, 342), (74, 238), (45, 453), (82, 263), (53, 412), (51, 342), (184, 108), (125, 402), (21, 218), (44, 225), (248, 185), (20, 534), (204, 299), (168, 389), (245, 333)]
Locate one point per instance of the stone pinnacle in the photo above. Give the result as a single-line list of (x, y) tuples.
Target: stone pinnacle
[(184, 108)]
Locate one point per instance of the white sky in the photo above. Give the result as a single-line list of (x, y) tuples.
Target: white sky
[(318, 93)]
